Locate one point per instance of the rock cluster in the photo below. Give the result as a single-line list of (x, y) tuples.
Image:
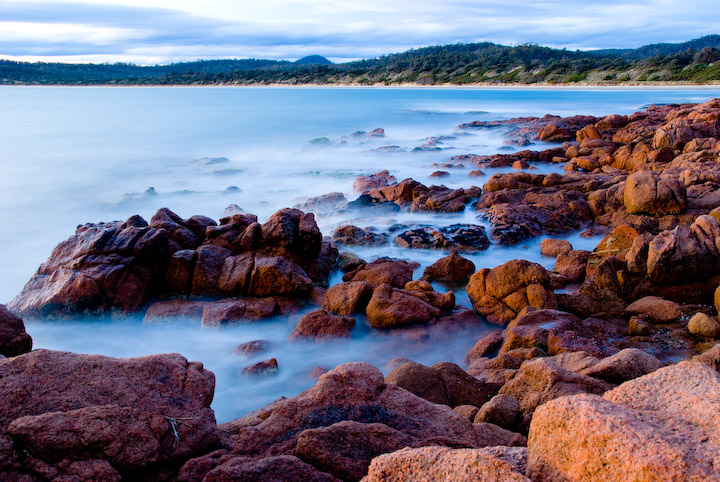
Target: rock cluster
[(122, 266)]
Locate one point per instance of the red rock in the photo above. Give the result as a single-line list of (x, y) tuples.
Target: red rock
[(501, 293), (554, 133), (179, 274), (321, 324), (345, 449), (236, 233), (317, 293), (656, 309), (373, 181), (350, 235), (208, 269), (555, 247), (393, 272), (390, 308), (541, 380), (484, 347), (440, 174), (704, 326), (103, 267), (348, 261), (128, 438), (453, 268), (263, 367), (647, 193), (56, 401), (179, 308), (554, 332), (14, 340), (430, 464), (283, 468), (348, 298), (252, 347), (572, 265), (317, 372), (277, 276), (231, 310), (501, 410), (623, 366), (659, 425), (468, 411), (444, 383), (476, 173), (424, 290), (176, 229), (293, 235), (355, 392)]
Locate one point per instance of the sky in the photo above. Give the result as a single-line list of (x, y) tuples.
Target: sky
[(164, 31)]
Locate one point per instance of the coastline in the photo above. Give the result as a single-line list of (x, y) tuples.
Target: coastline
[(477, 86)]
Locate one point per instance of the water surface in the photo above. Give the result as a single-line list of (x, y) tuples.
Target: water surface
[(76, 155)]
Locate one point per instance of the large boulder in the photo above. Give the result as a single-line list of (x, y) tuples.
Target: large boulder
[(393, 272), (444, 383), (655, 308), (13, 338), (662, 426), (351, 392), (453, 268), (136, 414), (502, 292), (648, 193), (685, 254), (391, 307), (625, 365), (430, 464), (101, 268), (347, 298), (321, 324), (541, 380), (345, 449)]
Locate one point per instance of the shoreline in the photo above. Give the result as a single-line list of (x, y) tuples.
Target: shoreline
[(479, 86)]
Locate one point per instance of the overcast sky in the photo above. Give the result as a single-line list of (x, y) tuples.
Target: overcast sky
[(164, 31)]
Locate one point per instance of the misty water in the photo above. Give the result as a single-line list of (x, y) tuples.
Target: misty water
[(76, 155)]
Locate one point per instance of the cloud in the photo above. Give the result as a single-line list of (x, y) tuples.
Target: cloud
[(151, 31)]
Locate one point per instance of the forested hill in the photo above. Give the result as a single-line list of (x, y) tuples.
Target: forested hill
[(694, 61)]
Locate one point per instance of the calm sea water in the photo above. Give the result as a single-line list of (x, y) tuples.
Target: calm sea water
[(76, 155)]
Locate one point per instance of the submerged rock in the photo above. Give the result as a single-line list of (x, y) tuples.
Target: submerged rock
[(462, 237)]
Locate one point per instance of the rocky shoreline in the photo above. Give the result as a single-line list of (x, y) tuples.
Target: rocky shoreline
[(606, 367)]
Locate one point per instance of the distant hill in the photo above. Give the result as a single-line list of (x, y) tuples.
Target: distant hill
[(458, 64), (313, 60), (652, 50)]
